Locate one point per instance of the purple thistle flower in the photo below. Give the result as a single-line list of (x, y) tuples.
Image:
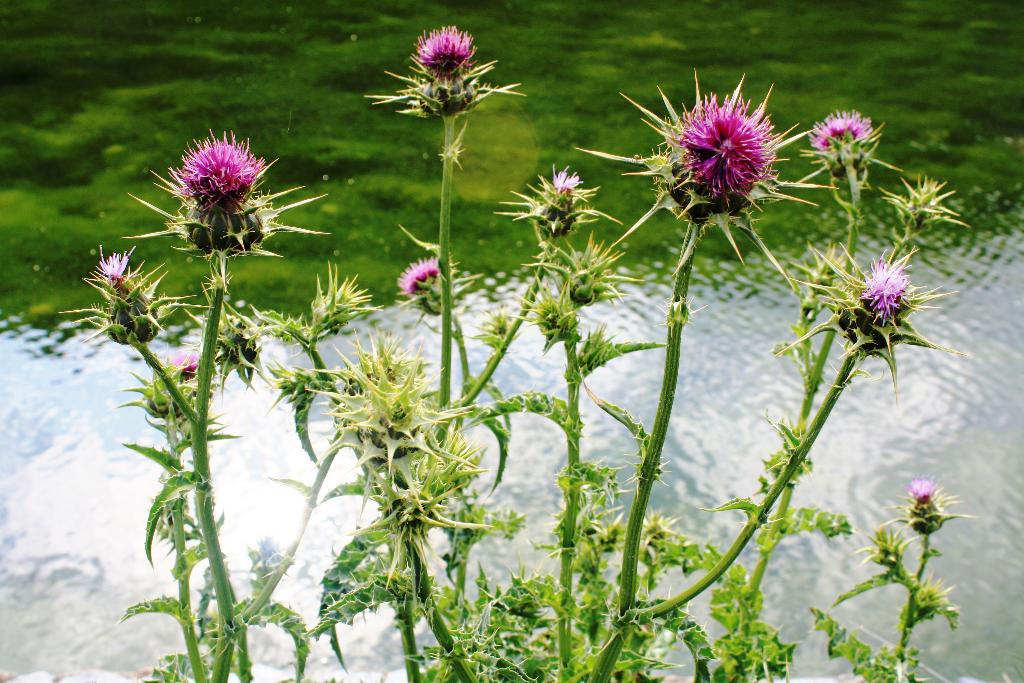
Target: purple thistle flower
[(563, 182), (884, 288), (728, 148), (417, 274), (113, 268), (444, 51), (187, 362), (839, 126), (921, 489), (218, 172)]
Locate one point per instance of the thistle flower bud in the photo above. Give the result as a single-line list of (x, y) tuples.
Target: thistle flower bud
[(925, 509), (420, 284), (495, 328), (887, 548), (337, 305), (921, 206), (844, 144), (932, 600), (557, 206), (445, 81), (158, 405), (238, 346), (588, 276), (555, 318), (221, 210)]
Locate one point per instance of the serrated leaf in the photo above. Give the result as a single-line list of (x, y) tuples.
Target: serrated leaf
[(502, 435), (350, 488), (621, 415), (293, 484), (876, 581), (748, 506), (342, 608), (289, 621), (164, 605), (166, 460), (173, 488)]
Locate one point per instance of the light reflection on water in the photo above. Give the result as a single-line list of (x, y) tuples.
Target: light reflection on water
[(73, 501)]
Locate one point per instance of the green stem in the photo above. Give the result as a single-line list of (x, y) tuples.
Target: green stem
[(460, 342), (315, 357), (407, 624), (567, 551), (907, 625), (651, 454), (676, 320), (263, 597), (492, 363), (182, 571), (204, 491), (757, 517), (445, 260), (853, 208), (811, 386), (172, 387), (436, 619)]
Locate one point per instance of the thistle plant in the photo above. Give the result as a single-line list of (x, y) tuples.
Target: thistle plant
[(608, 613), (924, 512), (445, 82)]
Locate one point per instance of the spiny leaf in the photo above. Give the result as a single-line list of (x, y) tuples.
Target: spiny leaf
[(173, 488), (164, 605), (745, 504), (293, 484), (166, 460)]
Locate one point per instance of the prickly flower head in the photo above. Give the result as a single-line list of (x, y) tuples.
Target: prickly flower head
[(445, 81), (386, 412), (444, 52), (840, 127), (557, 205), (844, 144), (221, 210), (728, 148), (420, 283), (925, 509), (131, 311), (218, 173), (715, 163), (871, 311)]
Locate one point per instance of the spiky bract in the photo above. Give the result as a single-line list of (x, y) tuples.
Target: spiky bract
[(556, 206), (716, 162), (414, 458), (222, 210), (444, 80), (859, 321), (921, 206), (132, 311), (844, 145)]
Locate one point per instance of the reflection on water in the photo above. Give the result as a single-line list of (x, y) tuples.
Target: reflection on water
[(73, 501)]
